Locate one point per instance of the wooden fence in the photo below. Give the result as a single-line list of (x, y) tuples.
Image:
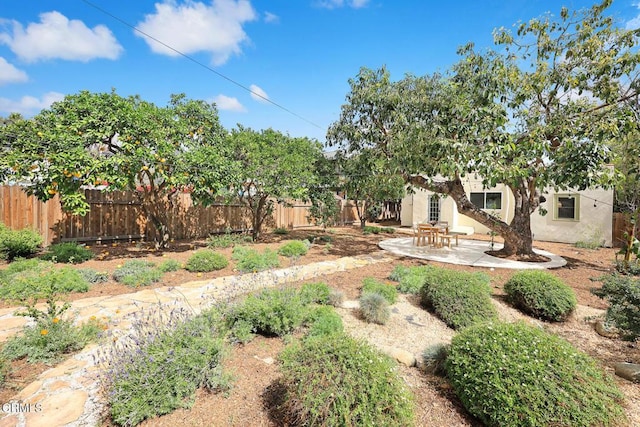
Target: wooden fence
[(620, 226), (118, 215)]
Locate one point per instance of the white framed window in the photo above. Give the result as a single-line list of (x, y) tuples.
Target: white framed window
[(487, 200), (566, 207), (434, 208)]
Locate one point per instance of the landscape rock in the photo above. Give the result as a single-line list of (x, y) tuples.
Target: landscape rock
[(605, 331), (400, 355), (628, 371)]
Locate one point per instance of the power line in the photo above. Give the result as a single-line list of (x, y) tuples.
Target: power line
[(195, 61)]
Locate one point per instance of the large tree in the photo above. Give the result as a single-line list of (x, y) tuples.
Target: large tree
[(273, 168), (535, 114), (115, 143)]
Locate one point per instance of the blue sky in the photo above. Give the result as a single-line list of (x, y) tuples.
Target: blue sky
[(299, 54)]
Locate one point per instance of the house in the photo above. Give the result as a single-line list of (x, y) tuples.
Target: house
[(572, 216)]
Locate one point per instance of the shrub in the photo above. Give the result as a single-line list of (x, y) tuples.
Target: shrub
[(337, 380), (169, 265), (160, 368), (388, 230), (294, 248), (514, 375), (388, 292), (315, 293), (540, 294), (48, 340), (370, 229), (93, 276), (250, 260), (18, 243), (374, 308), (30, 280), (323, 320), (281, 231), (459, 298), (227, 240), (336, 298), (136, 273), (4, 369), (271, 311), (399, 271), (434, 358), (68, 253), (206, 260), (623, 295)]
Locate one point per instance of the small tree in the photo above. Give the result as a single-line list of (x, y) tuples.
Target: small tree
[(366, 182), (273, 168)]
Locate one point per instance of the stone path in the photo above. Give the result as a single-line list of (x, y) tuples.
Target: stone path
[(69, 394)]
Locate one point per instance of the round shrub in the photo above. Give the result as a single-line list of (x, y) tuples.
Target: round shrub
[(374, 308), (136, 273), (335, 380), (18, 243), (517, 375), (206, 260), (323, 320), (389, 292), (540, 294), (24, 280), (271, 311), (294, 249), (459, 298), (68, 253), (315, 293)]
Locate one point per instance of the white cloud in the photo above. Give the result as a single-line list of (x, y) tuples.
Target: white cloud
[(55, 36), (29, 105), (271, 18), (634, 23), (258, 93), (228, 103), (334, 4), (194, 27), (10, 74)]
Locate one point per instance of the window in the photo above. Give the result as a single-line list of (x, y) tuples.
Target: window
[(567, 206), (487, 200), (434, 208)]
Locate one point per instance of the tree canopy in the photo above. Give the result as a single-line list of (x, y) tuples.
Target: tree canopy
[(532, 114)]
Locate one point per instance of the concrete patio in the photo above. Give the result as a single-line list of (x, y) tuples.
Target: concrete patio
[(468, 252)]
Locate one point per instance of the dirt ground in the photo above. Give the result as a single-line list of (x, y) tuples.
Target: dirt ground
[(255, 391)]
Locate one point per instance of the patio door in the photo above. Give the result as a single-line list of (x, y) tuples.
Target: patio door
[(434, 208)]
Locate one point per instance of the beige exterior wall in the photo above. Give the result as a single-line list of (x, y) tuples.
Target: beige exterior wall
[(593, 223)]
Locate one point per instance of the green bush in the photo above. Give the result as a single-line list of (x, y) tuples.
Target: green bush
[(68, 253), (459, 298), (206, 260), (161, 367), (49, 340), (4, 369), (623, 295), (388, 230), (271, 311), (518, 375), (374, 308), (227, 240), (399, 271), (335, 380), (93, 276), (33, 279), (250, 260), (336, 298), (540, 294), (323, 320), (294, 248), (169, 265), (315, 293), (136, 273), (370, 229), (388, 292), (281, 231), (18, 243)]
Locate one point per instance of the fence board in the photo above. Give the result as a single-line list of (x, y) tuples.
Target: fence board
[(621, 225)]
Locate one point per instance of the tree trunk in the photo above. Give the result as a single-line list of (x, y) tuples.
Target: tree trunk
[(260, 212), (361, 211), (157, 212), (518, 239)]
